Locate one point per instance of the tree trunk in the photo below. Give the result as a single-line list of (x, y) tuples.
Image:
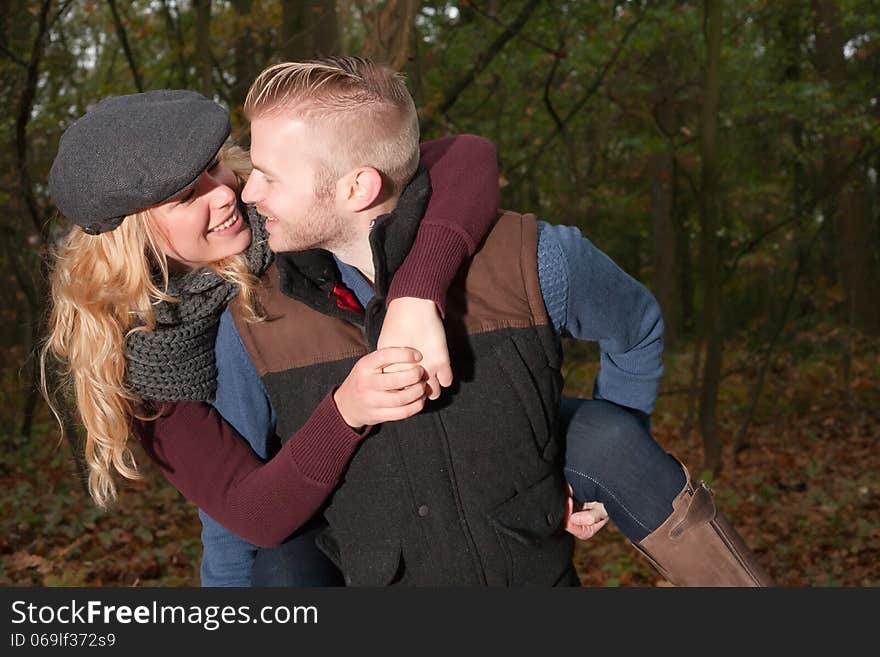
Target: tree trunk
[(34, 286), (693, 390), (4, 20), (123, 40), (293, 46), (661, 169), (857, 268), (680, 218), (846, 206), (709, 212), (665, 266), (309, 29), (204, 63), (662, 172), (175, 42), (390, 31), (325, 32), (33, 289), (246, 66), (792, 39)]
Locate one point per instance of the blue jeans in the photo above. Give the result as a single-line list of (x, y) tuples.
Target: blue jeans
[(610, 457), (296, 562), (233, 562)]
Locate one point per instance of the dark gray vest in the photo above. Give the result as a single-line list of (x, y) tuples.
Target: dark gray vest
[(470, 490)]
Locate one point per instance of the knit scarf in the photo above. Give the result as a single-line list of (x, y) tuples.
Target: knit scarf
[(176, 360)]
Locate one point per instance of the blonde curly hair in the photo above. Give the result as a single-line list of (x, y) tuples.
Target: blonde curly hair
[(102, 288)]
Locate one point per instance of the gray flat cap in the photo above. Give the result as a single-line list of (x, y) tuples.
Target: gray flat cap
[(131, 152)]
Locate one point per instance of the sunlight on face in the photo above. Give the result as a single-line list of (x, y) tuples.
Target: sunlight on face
[(206, 224), (287, 170)]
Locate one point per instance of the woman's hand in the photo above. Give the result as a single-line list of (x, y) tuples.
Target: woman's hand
[(413, 322), (372, 393), (584, 521)]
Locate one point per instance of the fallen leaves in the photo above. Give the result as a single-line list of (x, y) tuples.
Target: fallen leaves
[(807, 490), (805, 494), (23, 561)]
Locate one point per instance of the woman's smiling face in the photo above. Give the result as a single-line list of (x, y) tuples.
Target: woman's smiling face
[(205, 224)]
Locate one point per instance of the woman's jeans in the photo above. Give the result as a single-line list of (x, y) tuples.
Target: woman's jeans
[(610, 457), (296, 562)]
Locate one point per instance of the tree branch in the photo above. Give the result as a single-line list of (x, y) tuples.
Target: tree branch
[(123, 39), (741, 438), (18, 60), (61, 11), (15, 59), (498, 21), (798, 215), (594, 85), (175, 41), (25, 106), (450, 97), (548, 103)]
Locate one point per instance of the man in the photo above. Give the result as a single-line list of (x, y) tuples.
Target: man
[(469, 491)]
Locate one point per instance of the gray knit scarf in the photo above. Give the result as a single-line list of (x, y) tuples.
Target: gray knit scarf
[(176, 360)]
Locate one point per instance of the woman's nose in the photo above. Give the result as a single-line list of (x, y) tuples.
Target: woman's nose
[(220, 193)]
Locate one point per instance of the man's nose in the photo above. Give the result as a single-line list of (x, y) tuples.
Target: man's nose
[(249, 193)]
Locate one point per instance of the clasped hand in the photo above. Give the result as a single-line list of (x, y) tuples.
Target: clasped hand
[(416, 323), (371, 394), (410, 365)]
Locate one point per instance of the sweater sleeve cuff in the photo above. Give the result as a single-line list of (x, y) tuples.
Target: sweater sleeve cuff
[(324, 445), (433, 262)]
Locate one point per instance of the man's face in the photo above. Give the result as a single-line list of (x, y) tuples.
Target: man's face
[(283, 186)]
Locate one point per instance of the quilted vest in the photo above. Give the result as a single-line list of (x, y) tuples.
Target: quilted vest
[(470, 491)]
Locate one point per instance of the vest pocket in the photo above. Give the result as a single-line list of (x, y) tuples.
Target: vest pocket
[(522, 381), (377, 564), (530, 526), (363, 543), (533, 513)]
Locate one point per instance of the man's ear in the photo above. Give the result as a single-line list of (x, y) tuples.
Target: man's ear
[(363, 187)]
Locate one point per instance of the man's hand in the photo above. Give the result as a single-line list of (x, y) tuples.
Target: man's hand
[(586, 520), (413, 322), (372, 394)]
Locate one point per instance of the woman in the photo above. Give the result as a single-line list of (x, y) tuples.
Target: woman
[(162, 244)]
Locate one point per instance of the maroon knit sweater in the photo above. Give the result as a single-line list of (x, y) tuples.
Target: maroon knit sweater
[(265, 502)]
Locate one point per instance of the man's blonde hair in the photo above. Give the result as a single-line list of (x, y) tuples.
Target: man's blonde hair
[(362, 110)]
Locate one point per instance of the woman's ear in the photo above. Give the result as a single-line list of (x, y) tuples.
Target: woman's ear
[(363, 187)]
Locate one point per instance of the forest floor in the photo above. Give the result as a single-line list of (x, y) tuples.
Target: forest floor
[(805, 494)]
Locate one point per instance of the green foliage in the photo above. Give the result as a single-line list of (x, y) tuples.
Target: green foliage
[(592, 170)]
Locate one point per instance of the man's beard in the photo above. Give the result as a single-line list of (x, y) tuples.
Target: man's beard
[(319, 227)]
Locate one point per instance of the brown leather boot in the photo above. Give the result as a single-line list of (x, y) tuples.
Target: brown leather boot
[(697, 546)]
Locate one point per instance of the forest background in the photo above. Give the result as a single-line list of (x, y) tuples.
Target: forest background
[(725, 153)]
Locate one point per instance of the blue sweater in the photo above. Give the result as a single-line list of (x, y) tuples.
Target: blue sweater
[(587, 296)]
